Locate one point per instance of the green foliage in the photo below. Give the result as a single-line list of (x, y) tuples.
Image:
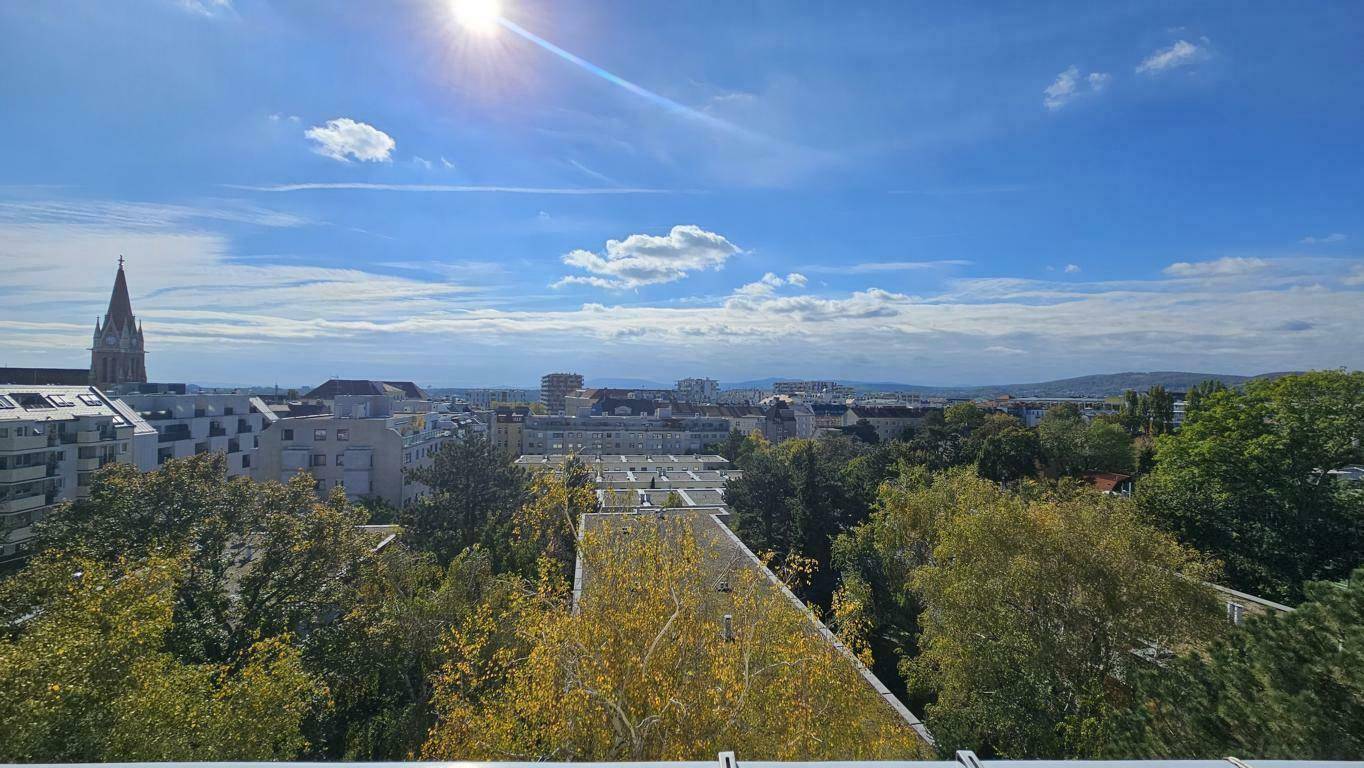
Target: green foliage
[(1287, 687), (1245, 480), (1071, 446), (1040, 601), (475, 493), (1010, 454)]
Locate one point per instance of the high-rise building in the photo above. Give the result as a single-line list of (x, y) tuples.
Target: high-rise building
[(698, 390), (554, 387), (117, 355)]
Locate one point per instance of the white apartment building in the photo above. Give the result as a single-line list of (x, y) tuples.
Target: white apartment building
[(554, 387), (621, 434), (814, 391), (190, 424), (697, 390), (363, 446), (483, 398), (52, 441)]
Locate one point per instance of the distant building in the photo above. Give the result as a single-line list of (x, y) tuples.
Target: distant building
[(397, 390), (698, 390), (363, 446), (629, 483), (485, 398), (789, 421), (814, 391), (1111, 483), (507, 426), (52, 441), (191, 424), (594, 435), (742, 396), (828, 415), (554, 387), (117, 354), (889, 421)]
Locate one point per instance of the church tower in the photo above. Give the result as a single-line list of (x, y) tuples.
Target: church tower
[(117, 355)]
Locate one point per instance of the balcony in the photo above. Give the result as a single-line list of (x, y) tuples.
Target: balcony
[(24, 444), (20, 474), (217, 432), (23, 504)]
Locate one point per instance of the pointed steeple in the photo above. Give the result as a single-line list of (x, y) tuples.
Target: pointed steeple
[(120, 313)]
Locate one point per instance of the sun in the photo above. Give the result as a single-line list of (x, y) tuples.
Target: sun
[(478, 16)]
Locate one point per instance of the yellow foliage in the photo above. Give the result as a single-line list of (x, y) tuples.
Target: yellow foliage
[(643, 670)]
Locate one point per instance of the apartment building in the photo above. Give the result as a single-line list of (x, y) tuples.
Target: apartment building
[(621, 434), (188, 424), (506, 428), (698, 390), (52, 441), (364, 446), (629, 483), (554, 387), (485, 398), (889, 421), (814, 391)]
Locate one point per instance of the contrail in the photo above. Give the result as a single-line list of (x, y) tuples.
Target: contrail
[(638, 90)]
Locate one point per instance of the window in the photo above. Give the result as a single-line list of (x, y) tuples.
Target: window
[(340, 459), (60, 401), (343, 434), (288, 434), (88, 399), (319, 434), (246, 461), (319, 460), (1236, 612), (4, 431)]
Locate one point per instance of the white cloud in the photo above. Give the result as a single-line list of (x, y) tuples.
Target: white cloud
[(344, 138), (206, 7), (885, 266), (1180, 54), (276, 117), (1334, 237), (211, 312), (423, 162), (1069, 84), (446, 164), (650, 259), (471, 188), (768, 284), (1227, 266), (141, 215), (1072, 268)]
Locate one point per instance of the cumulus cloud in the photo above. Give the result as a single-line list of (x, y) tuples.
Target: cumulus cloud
[(1227, 266), (1180, 54), (1334, 237), (343, 139), (768, 284), (1070, 84), (210, 309), (640, 260)]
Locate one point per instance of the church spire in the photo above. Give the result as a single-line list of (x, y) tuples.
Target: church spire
[(120, 312)]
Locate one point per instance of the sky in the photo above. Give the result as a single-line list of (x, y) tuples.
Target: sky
[(950, 193)]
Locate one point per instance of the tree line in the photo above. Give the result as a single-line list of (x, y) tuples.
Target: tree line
[(969, 557)]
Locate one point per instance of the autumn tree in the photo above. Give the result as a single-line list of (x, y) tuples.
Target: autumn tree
[(88, 676), (1246, 480), (644, 668), (1010, 454)]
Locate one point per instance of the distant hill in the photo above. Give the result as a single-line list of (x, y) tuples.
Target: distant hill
[(1097, 385)]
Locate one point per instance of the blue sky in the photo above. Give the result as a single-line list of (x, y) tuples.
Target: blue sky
[(952, 194)]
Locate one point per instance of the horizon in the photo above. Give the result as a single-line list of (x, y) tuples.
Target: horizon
[(878, 193)]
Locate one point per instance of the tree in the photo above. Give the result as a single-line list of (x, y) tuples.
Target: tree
[(862, 430), (1106, 448), (963, 417), (1009, 455), (475, 492), (1061, 434), (1281, 687), (88, 677), (545, 526), (760, 503), (1245, 479), (643, 668), (1040, 600)]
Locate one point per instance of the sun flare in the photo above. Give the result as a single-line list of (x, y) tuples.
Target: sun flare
[(478, 16)]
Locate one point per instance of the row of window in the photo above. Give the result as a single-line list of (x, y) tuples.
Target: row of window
[(320, 435)]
